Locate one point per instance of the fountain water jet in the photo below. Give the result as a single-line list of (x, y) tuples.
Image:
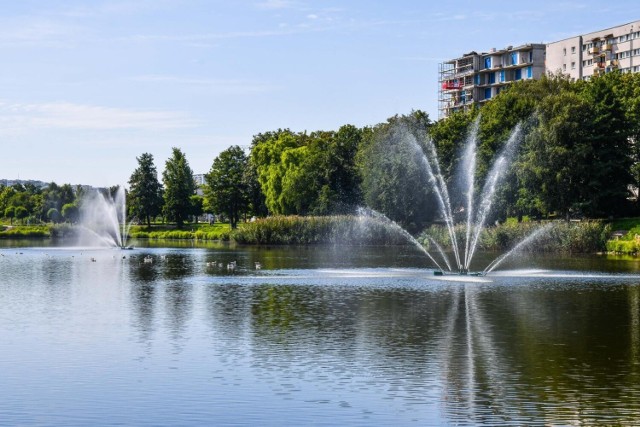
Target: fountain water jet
[(103, 219), (476, 218)]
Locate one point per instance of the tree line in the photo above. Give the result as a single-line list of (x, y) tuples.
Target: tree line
[(578, 157)]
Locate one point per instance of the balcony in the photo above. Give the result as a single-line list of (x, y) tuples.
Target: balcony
[(595, 50), (608, 47)]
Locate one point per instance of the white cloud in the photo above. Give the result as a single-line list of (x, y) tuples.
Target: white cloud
[(16, 117)]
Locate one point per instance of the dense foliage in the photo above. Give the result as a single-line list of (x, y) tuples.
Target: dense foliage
[(577, 157), (178, 187), (227, 190), (145, 191)]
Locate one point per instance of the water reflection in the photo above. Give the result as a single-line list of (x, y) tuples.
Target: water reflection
[(380, 344)]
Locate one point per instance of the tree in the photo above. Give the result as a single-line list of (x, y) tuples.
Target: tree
[(145, 192), (197, 206), (179, 187), (70, 212), (393, 179), (21, 213), (10, 212), (226, 187), (53, 215), (608, 133)]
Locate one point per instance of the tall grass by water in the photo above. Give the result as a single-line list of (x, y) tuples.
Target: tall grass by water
[(345, 229), (572, 237)]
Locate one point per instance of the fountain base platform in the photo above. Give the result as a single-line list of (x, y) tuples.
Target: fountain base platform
[(459, 273)]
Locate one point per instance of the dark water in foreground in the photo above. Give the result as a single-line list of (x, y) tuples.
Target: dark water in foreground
[(318, 336)]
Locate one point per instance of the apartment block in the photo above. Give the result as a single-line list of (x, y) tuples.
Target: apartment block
[(591, 54), (475, 77)]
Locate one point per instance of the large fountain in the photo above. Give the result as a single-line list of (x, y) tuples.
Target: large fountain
[(103, 219), (476, 207)]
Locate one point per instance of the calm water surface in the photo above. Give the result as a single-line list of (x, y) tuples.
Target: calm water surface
[(318, 336)]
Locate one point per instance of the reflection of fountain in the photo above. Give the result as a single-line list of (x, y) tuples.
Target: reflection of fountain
[(476, 216), (103, 218)]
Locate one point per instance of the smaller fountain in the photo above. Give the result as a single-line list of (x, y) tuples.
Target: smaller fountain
[(103, 219)]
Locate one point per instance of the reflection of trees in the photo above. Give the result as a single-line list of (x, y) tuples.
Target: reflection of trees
[(177, 266), (178, 306), (143, 297), (545, 353)]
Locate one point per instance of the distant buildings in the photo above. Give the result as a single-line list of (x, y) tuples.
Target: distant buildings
[(602, 51), (474, 78)]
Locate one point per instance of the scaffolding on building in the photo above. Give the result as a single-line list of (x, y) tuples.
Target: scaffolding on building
[(456, 92)]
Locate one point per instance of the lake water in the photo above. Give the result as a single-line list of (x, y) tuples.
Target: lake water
[(318, 336)]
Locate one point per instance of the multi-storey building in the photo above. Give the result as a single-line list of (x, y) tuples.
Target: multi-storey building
[(475, 78), (587, 55)]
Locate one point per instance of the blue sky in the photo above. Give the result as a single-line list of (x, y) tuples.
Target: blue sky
[(87, 86)]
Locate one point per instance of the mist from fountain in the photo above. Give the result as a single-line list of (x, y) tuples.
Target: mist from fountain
[(103, 218)]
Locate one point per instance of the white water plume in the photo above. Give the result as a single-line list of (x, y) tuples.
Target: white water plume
[(377, 216), (469, 166), (529, 239), (103, 218), (488, 192), (439, 187)]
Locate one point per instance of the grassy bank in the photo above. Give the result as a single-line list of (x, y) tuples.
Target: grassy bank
[(25, 232), (560, 236), (217, 231), (578, 237), (284, 230)]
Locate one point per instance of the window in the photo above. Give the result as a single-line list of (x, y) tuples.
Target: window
[(564, 67), (501, 75), (492, 78), (530, 72), (518, 74), (487, 93), (531, 56), (573, 49), (487, 62), (514, 58), (564, 51), (573, 65)]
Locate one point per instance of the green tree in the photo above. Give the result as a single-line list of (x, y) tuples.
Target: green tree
[(226, 187), (393, 179), (609, 132), (10, 212), (145, 191), (21, 213), (53, 215), (179, 187), (197, 206), (70, 212)]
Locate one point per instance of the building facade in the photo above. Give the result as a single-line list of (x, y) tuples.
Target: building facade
[(603, 51), (475, 78)]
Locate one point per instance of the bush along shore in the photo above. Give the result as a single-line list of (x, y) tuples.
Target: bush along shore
[(560, 236)]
